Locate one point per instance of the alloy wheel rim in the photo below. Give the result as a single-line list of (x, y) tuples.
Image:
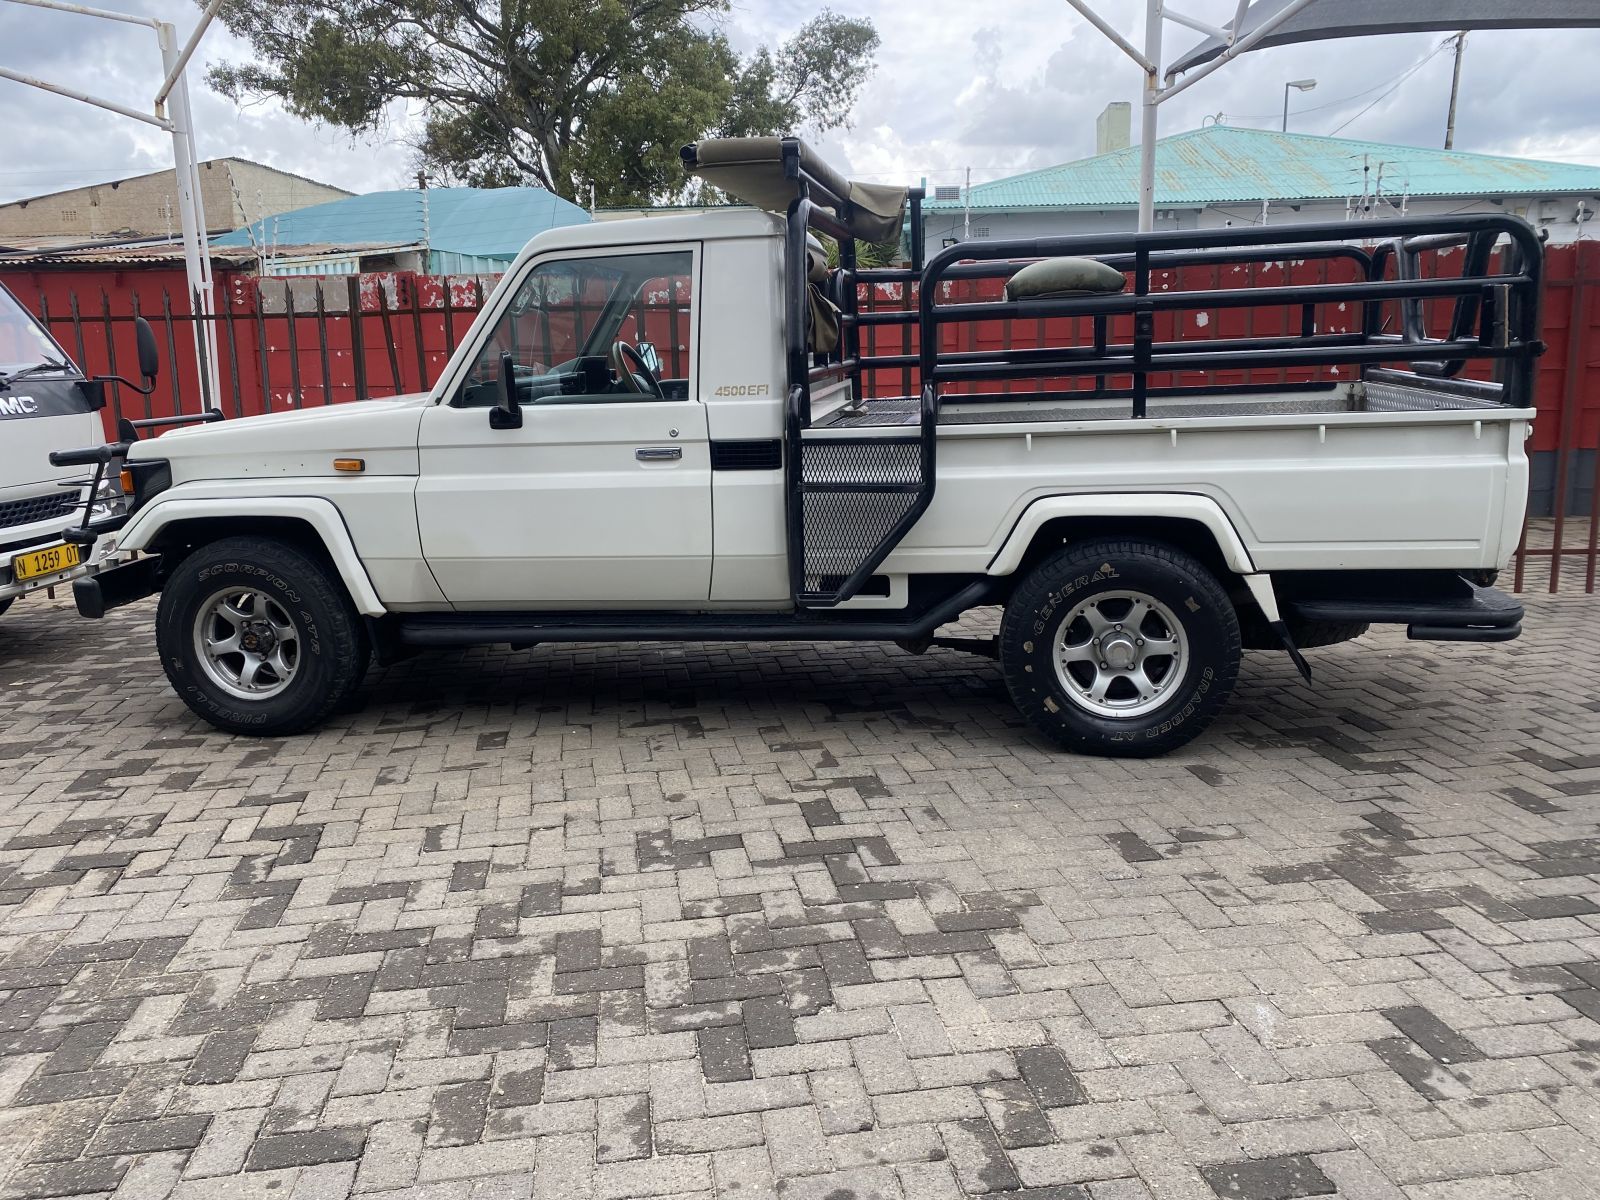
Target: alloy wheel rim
[(247, 643), (1120, 654)]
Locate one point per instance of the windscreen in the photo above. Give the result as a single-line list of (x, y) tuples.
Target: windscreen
[(23, 342)]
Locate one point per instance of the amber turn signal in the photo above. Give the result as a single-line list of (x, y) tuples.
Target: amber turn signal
[(349, 464), (126, 479)]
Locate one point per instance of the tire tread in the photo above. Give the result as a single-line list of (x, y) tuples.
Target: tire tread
[(348, 651), (1034, 589)]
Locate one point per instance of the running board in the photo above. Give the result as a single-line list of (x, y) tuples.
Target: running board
[(483, 629), (1452, 610)]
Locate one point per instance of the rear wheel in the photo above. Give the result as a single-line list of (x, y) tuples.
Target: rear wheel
[(1122, 648), (258, 637), (5, 604)]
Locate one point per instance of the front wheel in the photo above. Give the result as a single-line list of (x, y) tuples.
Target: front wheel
[(1120, 648), (259, 638)]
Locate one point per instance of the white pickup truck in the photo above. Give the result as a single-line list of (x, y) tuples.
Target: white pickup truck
[(569, 480)]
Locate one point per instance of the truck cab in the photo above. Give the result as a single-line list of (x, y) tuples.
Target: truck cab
[(665, 429), (46, 402)]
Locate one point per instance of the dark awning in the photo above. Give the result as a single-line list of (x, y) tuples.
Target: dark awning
[(1323, 19)]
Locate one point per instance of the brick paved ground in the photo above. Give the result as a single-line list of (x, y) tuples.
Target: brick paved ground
[(820, 924)]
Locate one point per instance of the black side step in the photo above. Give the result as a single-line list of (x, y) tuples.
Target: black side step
[(482, 629), (1447, 609)]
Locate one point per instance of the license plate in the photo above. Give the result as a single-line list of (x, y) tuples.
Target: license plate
[(49, 561)]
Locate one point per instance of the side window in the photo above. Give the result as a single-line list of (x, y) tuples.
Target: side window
[(591, 330)]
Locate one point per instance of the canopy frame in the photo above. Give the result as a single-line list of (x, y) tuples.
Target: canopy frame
[(1242, 35), (1149, 61)]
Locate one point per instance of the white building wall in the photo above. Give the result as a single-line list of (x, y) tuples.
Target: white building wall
[(1556, 214)]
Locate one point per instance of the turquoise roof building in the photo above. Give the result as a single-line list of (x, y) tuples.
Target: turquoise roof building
[(1226, 175), (462, 231)]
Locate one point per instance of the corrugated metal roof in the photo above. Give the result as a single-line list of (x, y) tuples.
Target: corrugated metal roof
[(1222, 164), (484, 222), (156, 253)]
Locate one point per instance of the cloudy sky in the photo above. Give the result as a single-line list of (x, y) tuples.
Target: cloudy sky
[(995, 87)]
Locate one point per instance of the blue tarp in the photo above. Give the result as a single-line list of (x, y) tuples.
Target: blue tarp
[(469, 223)]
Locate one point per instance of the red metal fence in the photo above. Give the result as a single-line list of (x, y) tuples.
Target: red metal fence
[(307, 342)]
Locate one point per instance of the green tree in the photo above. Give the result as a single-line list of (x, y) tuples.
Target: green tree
[(583, 97)]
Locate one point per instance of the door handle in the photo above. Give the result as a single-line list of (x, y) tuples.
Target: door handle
[(658, 453)]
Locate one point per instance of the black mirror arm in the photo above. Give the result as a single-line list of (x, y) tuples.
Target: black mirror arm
[(145, 389)]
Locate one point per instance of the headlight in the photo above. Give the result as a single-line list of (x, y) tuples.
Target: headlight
[(108, 500)]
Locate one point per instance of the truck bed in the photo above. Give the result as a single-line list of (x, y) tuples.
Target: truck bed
[(1368, 396), (1393, 471)]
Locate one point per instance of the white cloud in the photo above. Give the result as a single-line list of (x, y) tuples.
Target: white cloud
[(996, 87)]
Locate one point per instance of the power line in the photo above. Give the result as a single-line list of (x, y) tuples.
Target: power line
[(1314, 108), (1437, 50)]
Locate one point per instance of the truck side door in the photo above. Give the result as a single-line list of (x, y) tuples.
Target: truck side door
[(602, 499)]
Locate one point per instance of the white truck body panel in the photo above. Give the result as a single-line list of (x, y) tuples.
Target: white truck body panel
[(1332, 491), (26, 475), (321, 514)]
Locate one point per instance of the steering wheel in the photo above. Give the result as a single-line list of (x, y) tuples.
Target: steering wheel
[(633, 372)]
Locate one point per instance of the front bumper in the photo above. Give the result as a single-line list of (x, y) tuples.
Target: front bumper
[(96, 558)]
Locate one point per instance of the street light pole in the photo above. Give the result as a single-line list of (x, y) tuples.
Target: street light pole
[(1303, 85)]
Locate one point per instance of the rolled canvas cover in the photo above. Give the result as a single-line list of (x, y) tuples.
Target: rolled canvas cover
[(752, 170)]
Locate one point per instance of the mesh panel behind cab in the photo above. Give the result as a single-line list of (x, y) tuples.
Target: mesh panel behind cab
[(855, 492)]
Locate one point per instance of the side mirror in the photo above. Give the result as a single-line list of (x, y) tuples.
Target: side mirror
[(648, 356), (508, 413), (149, 358)]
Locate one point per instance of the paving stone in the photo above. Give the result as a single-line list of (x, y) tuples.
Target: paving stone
[(143, 1137), (577, 929), (975, 1153), (1268, 1179), (724, 1053), (305, 1149), (1049, 1076), (66, 1179), (624, 1130)]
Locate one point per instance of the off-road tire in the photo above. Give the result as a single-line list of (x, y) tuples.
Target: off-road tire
[(334, 649), (1046, 597)]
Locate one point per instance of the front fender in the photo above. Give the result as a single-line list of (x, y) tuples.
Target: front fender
[(1176, 505), (321, 515)]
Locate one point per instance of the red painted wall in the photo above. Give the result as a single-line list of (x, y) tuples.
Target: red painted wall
[(409, 325)]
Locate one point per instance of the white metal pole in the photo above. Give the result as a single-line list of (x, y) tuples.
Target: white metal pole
[(70, 94), (966, 217), (182, 61), (191, 216), (1153, 20), (82, 11)]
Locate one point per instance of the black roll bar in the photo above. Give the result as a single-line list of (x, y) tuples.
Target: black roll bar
[(1502, 308)]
